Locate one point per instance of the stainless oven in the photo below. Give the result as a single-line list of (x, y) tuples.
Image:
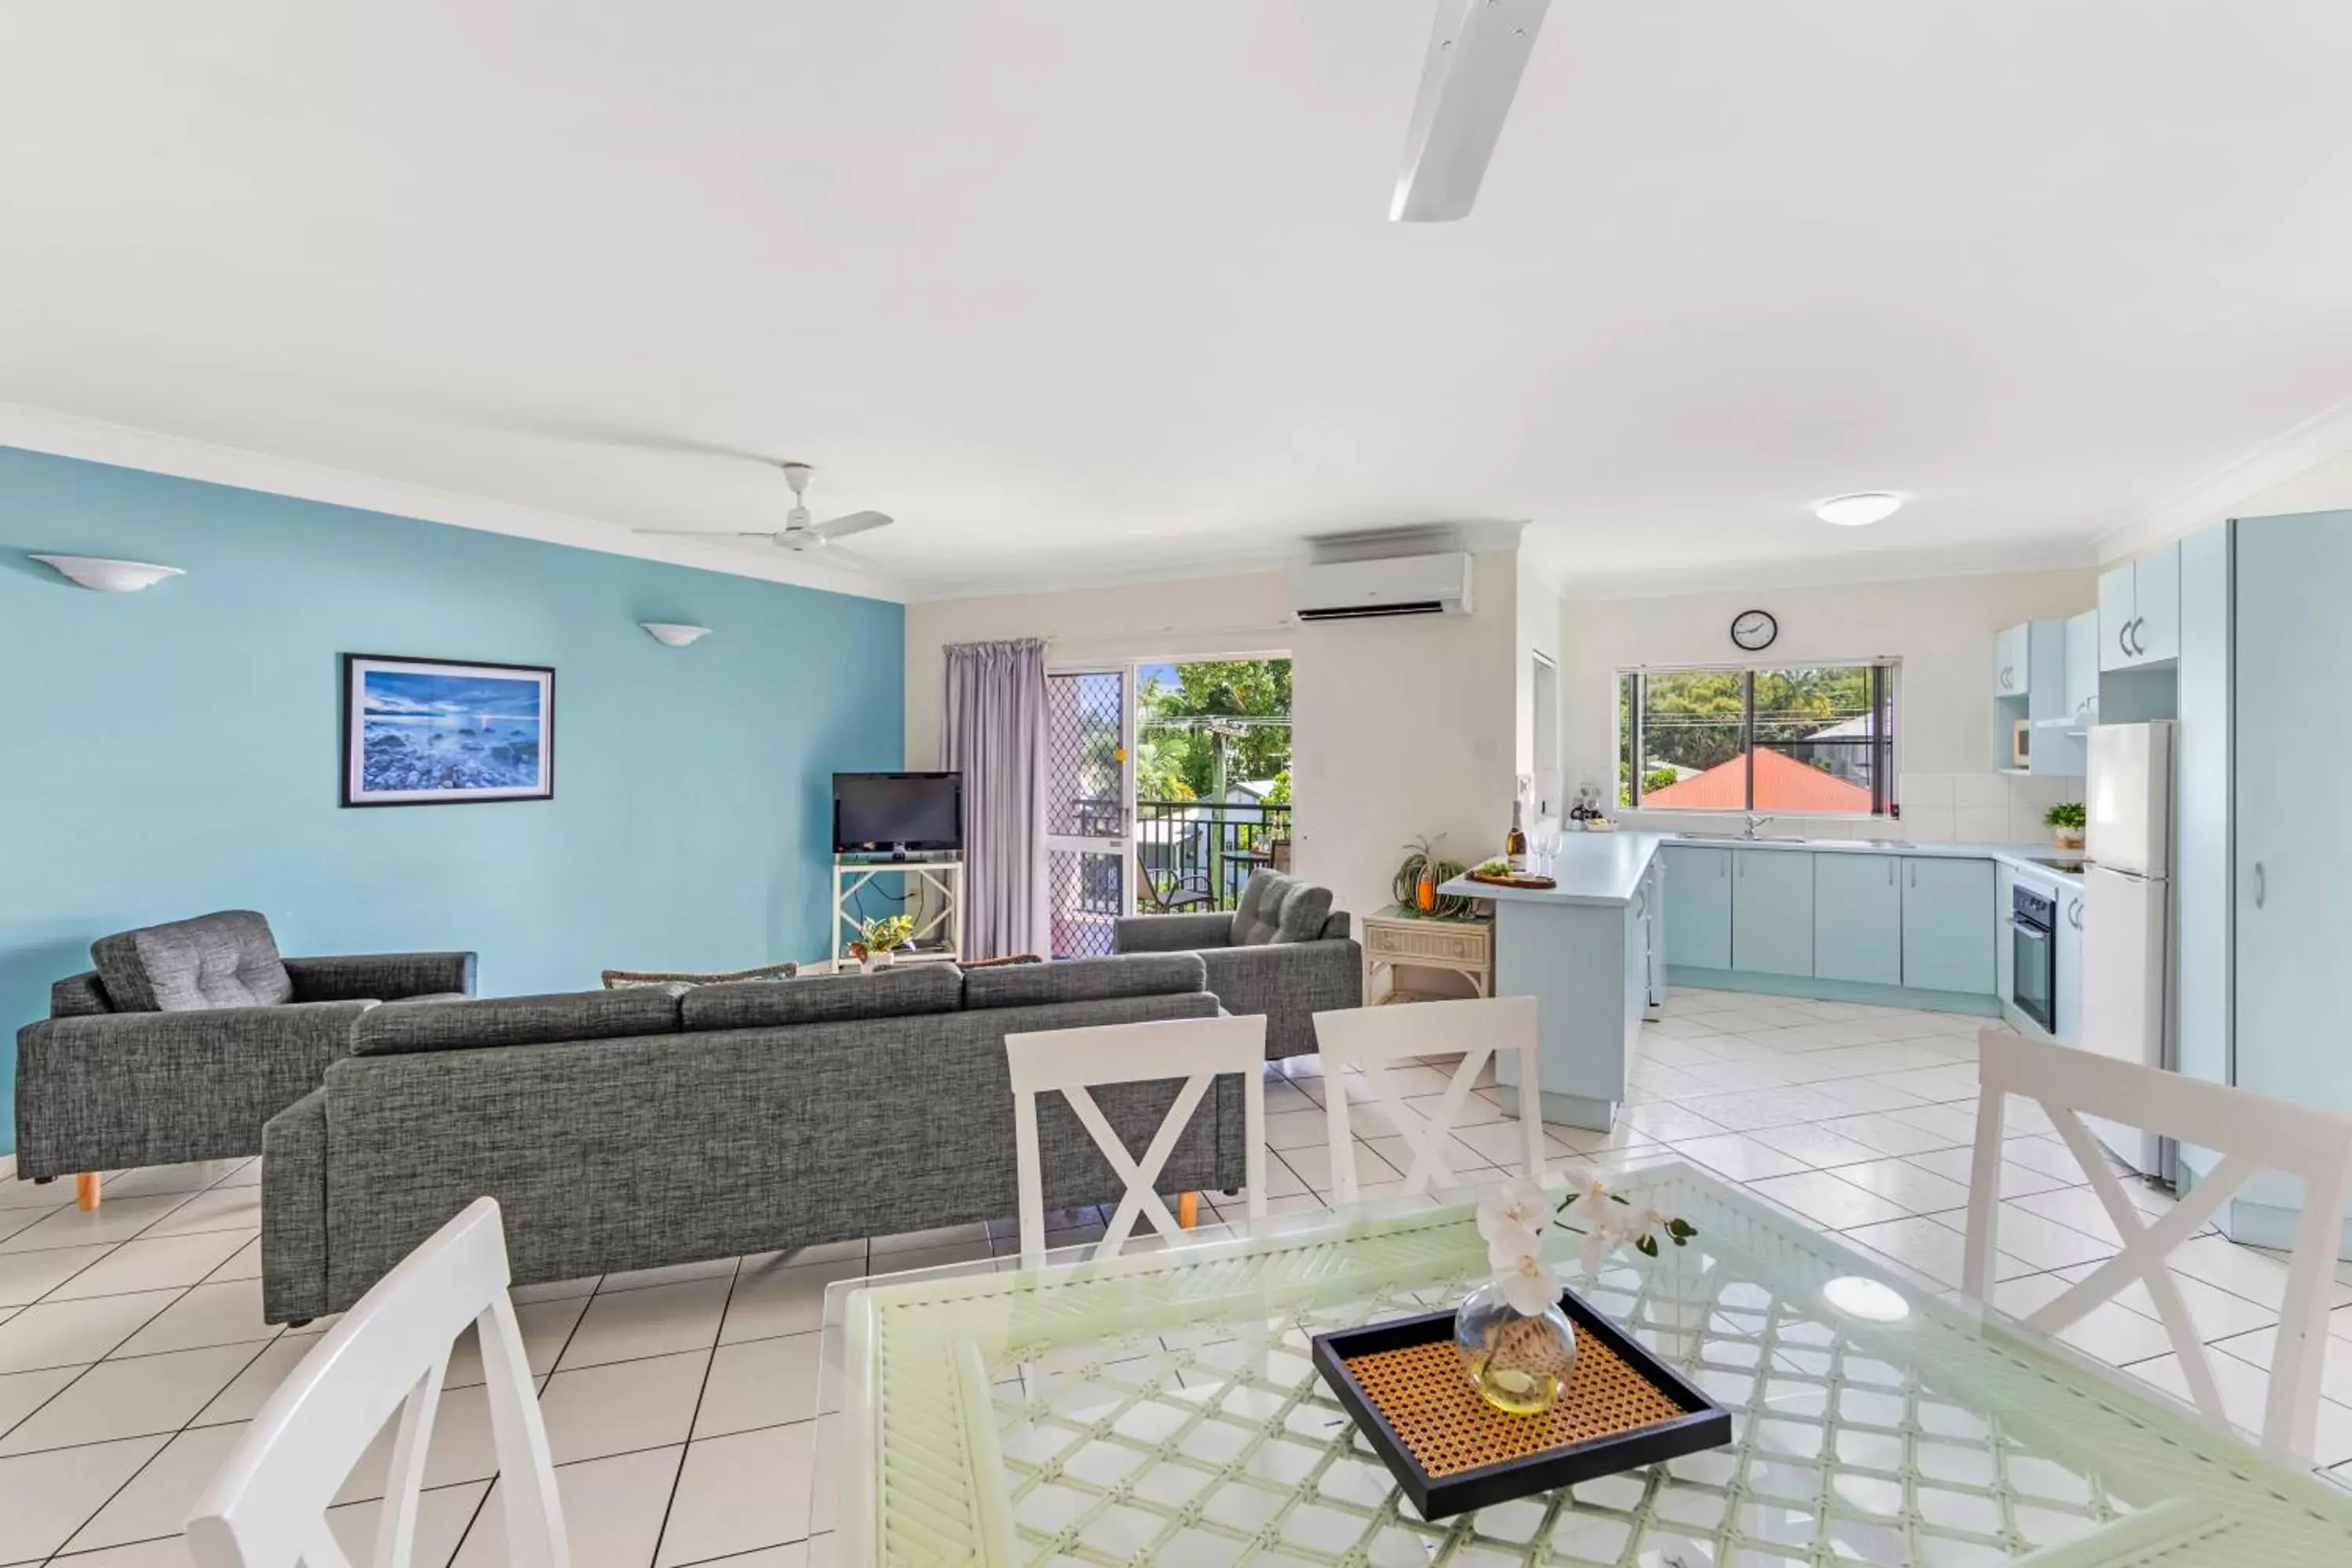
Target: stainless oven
[(2033, 937)]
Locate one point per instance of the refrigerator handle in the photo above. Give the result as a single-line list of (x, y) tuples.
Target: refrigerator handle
[(2262, 885)]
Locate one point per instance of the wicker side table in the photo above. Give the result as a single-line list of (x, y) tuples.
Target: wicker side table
[(1397, 937)]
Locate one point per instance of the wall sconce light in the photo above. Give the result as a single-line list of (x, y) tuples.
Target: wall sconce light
[(105, 576), (672, 634)]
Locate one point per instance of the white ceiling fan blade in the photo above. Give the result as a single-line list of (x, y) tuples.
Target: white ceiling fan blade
[(1475, 56), (708, 533), (855, 522)]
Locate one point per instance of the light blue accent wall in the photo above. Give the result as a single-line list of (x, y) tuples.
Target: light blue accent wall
[(177, 750)]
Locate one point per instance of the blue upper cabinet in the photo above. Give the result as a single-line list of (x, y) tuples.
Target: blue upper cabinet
[(2012, 663), (1858, 919), (2082, 703), (2139, 611), (1698, 906), (1771, 912), (1948, 923)]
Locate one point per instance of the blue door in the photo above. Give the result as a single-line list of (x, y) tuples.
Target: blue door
[(1949, 925), (1698, 906), (1857, 918), (1771, 912)]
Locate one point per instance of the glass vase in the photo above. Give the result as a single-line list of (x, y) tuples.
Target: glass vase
[(1521, 1363)]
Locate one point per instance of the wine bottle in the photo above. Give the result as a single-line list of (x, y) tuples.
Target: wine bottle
[(1515, 842)]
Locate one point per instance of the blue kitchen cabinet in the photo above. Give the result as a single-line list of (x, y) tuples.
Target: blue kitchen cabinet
[(1857, 918), (1947, 925), (1698, 906), (2070, 964), (1771, 912)]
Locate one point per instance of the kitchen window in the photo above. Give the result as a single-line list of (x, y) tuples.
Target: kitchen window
[(1789, 740)]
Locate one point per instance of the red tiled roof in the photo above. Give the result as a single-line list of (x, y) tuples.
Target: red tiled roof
[(1782, 783)]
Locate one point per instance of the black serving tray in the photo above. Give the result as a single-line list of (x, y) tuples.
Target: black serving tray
[(1702, 1424)]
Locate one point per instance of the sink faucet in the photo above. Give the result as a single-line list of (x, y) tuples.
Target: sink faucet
[(1755, 822)]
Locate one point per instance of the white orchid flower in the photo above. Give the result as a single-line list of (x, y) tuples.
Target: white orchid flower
[(1508, 1243), (1598, 1243), (1521, 1206), (1528, 1285), (1640, 1220)]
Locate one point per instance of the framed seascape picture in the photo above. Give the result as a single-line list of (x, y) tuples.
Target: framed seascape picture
[(441, 732)]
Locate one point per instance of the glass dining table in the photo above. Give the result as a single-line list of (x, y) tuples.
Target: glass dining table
[(1163, 1408)]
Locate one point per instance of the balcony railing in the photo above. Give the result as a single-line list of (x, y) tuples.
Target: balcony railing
[(1189, 857)]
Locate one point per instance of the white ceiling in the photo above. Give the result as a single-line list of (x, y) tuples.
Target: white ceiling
[(1082, 290)]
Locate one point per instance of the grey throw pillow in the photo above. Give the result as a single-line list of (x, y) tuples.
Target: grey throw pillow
[(1302, 914), (225, 960), (1258, 917)]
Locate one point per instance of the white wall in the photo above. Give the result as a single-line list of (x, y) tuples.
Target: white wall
[(1941, 630), (1401, 728)]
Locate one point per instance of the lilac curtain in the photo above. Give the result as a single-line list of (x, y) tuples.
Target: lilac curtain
[(996, 739)]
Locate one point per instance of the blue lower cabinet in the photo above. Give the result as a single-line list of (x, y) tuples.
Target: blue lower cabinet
[(1858, 919), (1698, 906), (1949, 925), (1771, 912)]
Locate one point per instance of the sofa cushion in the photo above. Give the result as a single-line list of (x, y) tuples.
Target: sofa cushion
[(1303, 914), (225, 960), (476, 1021), (893, 993), (1085, 980), (1279, 907)]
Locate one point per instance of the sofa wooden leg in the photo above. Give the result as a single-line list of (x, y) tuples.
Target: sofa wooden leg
[(43, 1181), (86, 1188), (1188, 1210)]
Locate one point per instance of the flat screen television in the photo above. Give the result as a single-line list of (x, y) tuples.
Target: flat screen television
[(889, 812)]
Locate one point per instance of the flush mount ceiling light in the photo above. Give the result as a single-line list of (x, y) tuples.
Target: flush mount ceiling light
[(101, 575), (1860, 509), (674, 634)]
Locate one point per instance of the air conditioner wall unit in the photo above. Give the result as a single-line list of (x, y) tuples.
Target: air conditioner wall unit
[(1370, 590)]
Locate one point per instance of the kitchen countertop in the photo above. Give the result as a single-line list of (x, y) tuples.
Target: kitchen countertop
[(1591, 869), (2033, 858)]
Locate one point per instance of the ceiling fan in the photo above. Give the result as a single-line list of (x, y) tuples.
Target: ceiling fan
[(798, 533), (1475, 54)]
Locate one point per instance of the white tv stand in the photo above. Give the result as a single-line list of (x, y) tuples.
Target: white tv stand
[(939, 926)]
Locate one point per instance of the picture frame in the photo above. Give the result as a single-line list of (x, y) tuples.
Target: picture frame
[(446, 731)]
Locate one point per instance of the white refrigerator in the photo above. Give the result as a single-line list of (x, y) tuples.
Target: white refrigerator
[(2127, 917)]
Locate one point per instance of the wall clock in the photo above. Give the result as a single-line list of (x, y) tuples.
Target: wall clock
[(1753, 630)]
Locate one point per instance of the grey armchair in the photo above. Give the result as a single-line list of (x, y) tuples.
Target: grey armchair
[(1285, 955), (187, 1037)]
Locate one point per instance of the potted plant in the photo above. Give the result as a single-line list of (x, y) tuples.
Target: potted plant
[(1417, 880), (2065, 821), (878, 941)]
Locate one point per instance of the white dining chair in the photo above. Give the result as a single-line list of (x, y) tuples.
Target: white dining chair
[(268, 1505), (2250, 1132), (1199, 1050), (1373, 1039)]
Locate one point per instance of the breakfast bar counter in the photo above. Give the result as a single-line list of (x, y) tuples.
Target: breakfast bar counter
[(1588, 950)]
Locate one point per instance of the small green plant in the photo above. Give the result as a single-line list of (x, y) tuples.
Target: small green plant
[(887, 934), (2066, 816)]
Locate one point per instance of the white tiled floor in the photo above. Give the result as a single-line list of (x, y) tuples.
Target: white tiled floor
[(681, 1403)]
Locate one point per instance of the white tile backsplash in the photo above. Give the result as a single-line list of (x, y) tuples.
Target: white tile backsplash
[(1981, 808), (1985, 791), (1925, 789), (1937, 808)]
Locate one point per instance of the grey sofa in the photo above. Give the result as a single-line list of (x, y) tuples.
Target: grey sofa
[(1284, 953), (187, 1037), (660, 1125)]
